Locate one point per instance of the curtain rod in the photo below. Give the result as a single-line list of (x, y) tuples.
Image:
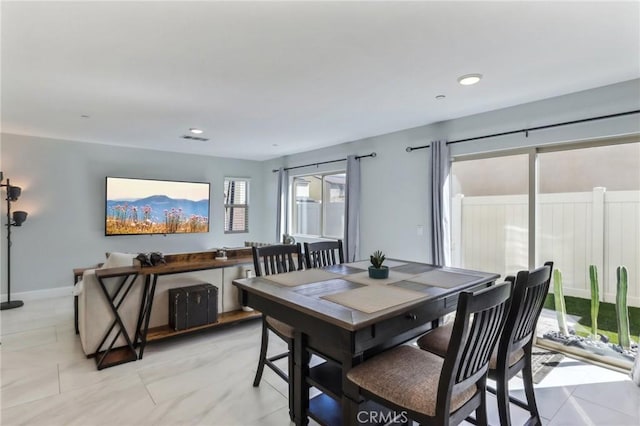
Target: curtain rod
[(526, 131), (372, 155)]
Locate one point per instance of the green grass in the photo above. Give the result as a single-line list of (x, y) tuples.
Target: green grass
[(607, 324)]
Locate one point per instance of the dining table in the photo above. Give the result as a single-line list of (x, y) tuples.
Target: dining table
[(343, 316)]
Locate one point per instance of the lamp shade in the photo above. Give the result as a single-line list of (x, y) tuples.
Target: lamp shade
[(19, 217), (13, 192)]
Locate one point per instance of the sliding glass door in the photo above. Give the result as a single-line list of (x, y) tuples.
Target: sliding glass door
[(584, 200), (589, 225), (490, 214)]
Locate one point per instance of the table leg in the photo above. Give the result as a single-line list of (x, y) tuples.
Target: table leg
[(76, 278), (75, 313), (142, 311), (300, 373), (147, 316), (105, 358), (350, 395)]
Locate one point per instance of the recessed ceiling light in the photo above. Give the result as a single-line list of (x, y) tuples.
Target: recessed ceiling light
[(196, 131), (84, 116), (440, 97), (469, 79), (275, 144)]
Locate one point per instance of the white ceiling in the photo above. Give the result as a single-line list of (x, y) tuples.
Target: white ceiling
[(267, 79)]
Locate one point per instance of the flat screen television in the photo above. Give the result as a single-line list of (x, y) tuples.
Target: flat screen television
[(146, 206)]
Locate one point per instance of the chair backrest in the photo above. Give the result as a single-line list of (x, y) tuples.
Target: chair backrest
[(480, 318), (276, 259), (323, 253), (529, 292)]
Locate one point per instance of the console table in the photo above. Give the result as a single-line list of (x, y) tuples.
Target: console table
[(127, 277), (177, 265)]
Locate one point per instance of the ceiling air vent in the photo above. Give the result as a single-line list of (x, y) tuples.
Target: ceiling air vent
[(194, 138)]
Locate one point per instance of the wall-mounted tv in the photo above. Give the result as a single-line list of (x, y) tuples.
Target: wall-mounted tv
[(146, 206)]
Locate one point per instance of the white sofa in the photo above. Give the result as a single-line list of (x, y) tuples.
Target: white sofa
[(95, 315)]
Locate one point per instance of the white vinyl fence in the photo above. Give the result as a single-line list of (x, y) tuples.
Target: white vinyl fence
[(575, 230)]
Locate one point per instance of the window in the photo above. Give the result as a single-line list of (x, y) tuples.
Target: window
[(236, 205), (318, 205)]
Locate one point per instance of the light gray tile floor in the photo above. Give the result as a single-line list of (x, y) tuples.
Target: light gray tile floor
[(205, 379)]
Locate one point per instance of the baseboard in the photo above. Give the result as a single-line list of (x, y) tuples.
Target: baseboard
[(49, 293)]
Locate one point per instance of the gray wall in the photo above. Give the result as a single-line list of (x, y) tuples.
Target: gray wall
[(395, 199), (63, 186)]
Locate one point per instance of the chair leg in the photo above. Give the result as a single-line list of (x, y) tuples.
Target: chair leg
[(502, 395), (527, 378), (481, 411), (263, 353), (481, 415)]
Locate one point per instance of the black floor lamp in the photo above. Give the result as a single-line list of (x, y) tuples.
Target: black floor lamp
[(13, 193)]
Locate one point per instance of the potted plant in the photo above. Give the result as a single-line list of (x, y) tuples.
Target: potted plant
[(376, 270)]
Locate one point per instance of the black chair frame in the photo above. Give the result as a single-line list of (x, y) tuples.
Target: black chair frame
[(468, 355), (530, 291), (276, 259), (323, 253)]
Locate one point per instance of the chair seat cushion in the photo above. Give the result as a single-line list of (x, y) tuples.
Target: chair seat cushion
[(408, 377), (513, 358), (437, 342), (284, 329)]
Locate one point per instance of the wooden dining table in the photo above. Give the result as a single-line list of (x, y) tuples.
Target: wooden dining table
[(342, 315)]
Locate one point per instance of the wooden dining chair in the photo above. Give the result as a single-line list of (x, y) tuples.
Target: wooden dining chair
[(270, 260), (513, 353), (441, 391), (323, 253)]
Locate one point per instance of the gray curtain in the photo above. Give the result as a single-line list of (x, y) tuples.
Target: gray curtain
[(352, 210), (282, 210), (440, 203)]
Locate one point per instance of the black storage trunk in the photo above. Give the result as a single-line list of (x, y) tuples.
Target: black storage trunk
[(193, 306)]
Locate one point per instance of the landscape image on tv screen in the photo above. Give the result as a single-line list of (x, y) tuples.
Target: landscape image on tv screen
[(144, 206)]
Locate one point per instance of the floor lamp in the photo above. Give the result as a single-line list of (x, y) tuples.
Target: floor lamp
[(18, 217)]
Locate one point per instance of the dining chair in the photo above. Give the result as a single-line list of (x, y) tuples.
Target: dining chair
[(513, 353), (441, 391), (323, 253), (270, 260)]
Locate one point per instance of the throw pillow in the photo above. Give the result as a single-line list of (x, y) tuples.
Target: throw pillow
[(118, 260)]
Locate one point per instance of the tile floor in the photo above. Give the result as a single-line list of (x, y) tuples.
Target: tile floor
[(205, 379)]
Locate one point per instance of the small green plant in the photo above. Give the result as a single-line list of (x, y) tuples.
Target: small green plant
[(622, 313), (595, 300), (377, 258), (561, 310)]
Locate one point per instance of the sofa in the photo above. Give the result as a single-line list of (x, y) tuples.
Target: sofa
[(95, 316)]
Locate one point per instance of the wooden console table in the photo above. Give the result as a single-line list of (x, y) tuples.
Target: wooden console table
[(178, 264), (107, 355)]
